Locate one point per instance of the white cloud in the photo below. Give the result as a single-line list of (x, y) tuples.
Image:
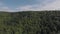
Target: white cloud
[(53, 6), (24, 8), (2, 7), (46, 5), (5, 8)]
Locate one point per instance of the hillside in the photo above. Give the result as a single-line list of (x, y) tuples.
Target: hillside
[(30, 22)]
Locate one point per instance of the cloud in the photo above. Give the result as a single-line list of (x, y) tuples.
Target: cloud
[(29, 8), (53, 6), (24, 8), (45, 5), (4, 8)]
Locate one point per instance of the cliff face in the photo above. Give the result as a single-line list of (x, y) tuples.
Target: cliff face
[(43, 22)]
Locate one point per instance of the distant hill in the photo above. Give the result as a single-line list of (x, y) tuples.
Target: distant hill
[(30, 22)]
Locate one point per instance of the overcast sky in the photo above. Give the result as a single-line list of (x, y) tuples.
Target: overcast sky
[(25, 5)]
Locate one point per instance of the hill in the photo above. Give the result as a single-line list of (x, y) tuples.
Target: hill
[(30, 22)]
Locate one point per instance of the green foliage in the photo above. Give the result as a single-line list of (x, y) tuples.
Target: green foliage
[(30, 22)]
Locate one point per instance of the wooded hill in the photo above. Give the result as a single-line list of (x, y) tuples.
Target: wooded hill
[(30, 22)]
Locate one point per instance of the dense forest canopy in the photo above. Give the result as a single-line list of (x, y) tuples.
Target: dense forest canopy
[(30, 22)]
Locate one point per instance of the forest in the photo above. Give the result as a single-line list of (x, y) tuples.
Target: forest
[(30, 22)]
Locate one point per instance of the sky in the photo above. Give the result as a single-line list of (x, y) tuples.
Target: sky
[(26, 5)]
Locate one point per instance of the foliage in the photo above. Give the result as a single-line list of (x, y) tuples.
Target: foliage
[(30, 22)]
